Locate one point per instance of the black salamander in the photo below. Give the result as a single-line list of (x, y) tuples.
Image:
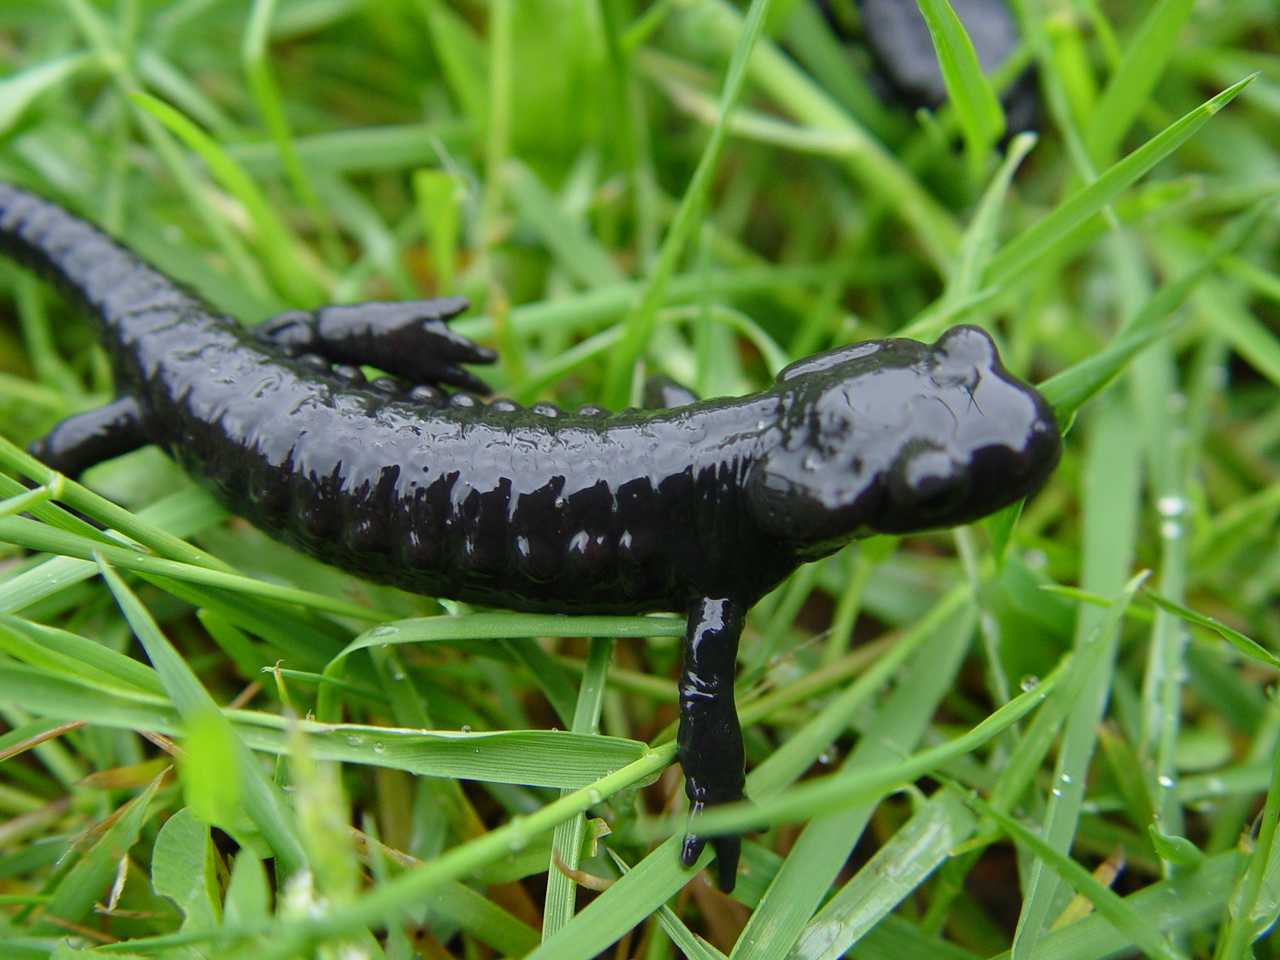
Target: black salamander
[(701, 509)]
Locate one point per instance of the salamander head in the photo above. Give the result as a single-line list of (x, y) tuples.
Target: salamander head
[(896, 436)]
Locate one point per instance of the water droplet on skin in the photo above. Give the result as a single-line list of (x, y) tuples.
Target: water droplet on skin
[(1029, 683)]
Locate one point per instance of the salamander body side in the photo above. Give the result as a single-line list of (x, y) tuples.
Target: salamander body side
[(514, 508)]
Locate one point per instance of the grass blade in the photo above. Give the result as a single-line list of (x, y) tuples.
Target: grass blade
[(640, 320), (1133, 80), (1071, 389), (1041, 238), (280, 249), (977, 108), (261, 799)]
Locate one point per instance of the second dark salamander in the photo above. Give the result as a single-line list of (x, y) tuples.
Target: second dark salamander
[(700, 509)]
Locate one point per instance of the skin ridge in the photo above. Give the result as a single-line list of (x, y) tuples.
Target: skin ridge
[(701, 509)]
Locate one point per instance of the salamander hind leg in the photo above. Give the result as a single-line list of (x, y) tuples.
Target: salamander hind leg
[(409, 339), (89, 438), (709, 742)]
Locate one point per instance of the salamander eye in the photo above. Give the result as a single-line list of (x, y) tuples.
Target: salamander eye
[(929, 486)]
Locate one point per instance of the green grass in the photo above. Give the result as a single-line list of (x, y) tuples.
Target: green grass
[(1053, 735)]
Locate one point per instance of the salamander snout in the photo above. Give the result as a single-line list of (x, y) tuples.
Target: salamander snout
[(978, 440), (902, 438)]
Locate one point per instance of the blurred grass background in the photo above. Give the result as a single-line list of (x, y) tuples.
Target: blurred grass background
[(980, 743)]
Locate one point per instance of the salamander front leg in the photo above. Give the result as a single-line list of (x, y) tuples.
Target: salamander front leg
[(89, 438), (408, 339), (709, 742)]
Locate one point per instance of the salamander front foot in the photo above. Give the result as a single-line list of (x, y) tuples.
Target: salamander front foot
[(87, 439), (728, 851)]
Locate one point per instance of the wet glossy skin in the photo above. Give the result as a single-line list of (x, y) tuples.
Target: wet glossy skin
[(700, 509)]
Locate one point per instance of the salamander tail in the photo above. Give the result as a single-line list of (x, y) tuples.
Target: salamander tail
[(82, 261)]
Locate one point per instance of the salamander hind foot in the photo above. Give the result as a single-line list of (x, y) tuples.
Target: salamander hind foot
[(408, 339)]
